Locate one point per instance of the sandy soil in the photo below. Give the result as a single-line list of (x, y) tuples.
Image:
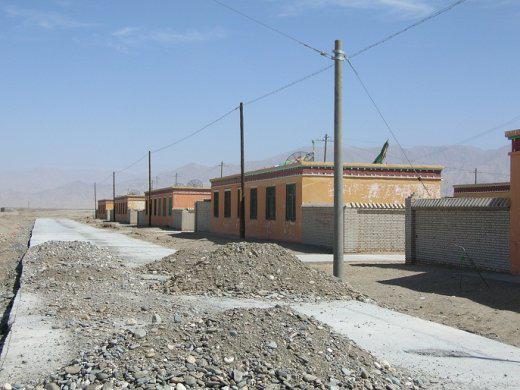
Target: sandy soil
[(448, 296)]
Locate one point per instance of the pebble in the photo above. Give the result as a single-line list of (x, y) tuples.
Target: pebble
[(72, 370), (52, 386), (156, 319), (191, 359), (229, 359), (272, 345), (180, 386), (7, 386)]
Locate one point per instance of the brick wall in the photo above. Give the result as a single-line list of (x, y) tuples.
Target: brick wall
[(368, 227), (438, 230), (202, 216)]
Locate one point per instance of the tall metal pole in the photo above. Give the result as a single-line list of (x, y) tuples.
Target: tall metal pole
[(176, 179), (326, 138), (149, 200), (113, 197), (476, 174), (339, 57), (221, 168), (242, 189), (95, 201), (313, 149)]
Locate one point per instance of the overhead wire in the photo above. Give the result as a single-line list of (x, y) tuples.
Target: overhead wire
[(274, 29), (411, 26), (392, 133)]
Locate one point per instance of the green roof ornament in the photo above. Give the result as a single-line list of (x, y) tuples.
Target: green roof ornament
[(381, 157)]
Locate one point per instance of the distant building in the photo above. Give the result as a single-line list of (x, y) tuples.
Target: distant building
[(514, 211), (164, 200), (482, 190), (127, 207), (274, 196), (104, 205)]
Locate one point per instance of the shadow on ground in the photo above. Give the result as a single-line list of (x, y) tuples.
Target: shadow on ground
[(502, 295)]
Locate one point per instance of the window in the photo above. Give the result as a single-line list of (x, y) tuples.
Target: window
[(215, 204), (164, 207), (290, 202), (270, 203), (227, 204), (155, 207), (239, 199), (253, 203), (170, 205)]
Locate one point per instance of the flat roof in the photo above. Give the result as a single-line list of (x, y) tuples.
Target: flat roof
[(307, 167), (179, 189), (121, 197), (105, 200), (479, 185)]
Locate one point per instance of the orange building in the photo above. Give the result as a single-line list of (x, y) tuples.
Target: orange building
[(164, 200), (484, 190), (104, 205), (127, 206), (274, 196), (514, 211)]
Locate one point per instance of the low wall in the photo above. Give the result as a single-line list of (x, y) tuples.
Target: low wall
[(462, 232), (184, 219), (202, 216), (368, 227)]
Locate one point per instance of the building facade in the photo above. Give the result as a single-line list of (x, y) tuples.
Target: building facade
[(274, 196), (484, 190), (163, 201), (127, 206), (104, 205)]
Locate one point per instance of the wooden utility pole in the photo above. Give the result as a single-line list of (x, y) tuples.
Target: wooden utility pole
[(149, 200), (242, 189), (325, 139), (339, 57), (95, 201), (113, 197), (221, 168)]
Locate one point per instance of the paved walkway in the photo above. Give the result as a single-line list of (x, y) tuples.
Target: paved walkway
[(134, 252), (352, 258)]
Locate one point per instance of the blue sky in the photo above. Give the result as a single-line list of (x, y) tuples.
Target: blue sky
[(96, 84)]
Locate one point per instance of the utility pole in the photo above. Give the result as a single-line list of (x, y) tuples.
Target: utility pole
[(113, 197), (339, 57), (313, 148), (176, 178), (325, 139), (149, 200), (221, 168), (476, 175), (242, 189), (95, 201)]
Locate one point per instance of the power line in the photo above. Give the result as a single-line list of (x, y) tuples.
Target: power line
[(134, 163), (196, 131), (397, 33), (478, 135), (292, 38), (284, 87), (385, 122)]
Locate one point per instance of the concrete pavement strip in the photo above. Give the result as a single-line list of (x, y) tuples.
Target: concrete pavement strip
[(352, 258), (462, 359)]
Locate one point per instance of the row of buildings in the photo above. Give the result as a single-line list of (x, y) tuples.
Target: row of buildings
[(293, 203)]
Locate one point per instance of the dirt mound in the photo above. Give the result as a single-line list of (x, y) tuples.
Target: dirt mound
[(248, 270), (241, 348)]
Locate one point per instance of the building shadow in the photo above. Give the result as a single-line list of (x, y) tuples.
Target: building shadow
[(464, 283)]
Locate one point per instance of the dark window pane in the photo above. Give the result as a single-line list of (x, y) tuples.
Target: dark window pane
[(290, 202), (253, 204), (270, 203), (215, 204), (227, 204)]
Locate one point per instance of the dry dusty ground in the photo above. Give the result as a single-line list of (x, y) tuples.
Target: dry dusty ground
[(443, 295), (15, 229)]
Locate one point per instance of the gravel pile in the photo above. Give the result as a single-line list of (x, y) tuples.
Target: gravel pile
[(247, 270), (237, 349)]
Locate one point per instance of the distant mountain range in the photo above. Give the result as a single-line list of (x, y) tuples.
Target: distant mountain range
[(73, 188)]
